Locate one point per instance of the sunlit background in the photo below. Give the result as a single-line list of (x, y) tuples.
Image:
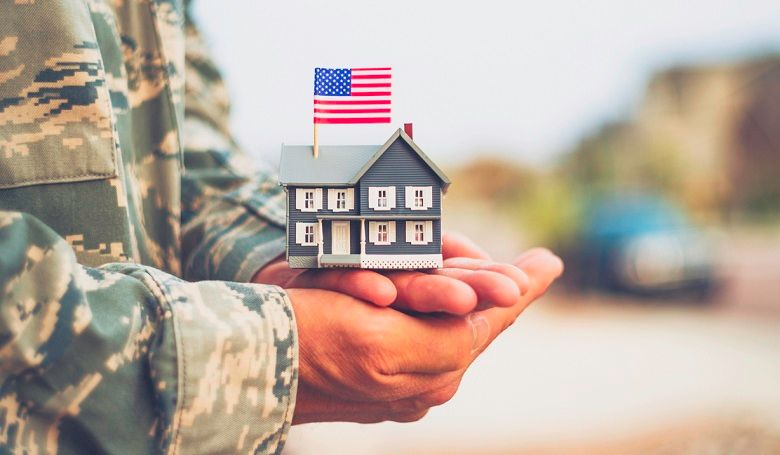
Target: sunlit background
[(641, 140)]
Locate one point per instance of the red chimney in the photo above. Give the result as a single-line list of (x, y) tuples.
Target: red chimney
[(409, 129)]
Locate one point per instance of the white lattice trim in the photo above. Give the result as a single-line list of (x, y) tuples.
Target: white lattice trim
[(401, 261)]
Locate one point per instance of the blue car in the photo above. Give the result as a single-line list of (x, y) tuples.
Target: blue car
[(641, 245)]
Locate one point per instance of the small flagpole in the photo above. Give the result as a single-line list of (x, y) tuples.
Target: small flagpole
[(316, 141)]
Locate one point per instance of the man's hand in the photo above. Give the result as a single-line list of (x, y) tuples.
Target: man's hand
[(493, 284), (363, 363), (462, 286)]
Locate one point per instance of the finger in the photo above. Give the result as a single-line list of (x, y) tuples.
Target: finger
[(426, 293), (458, 245), (509, 270), (360, 284), (493, 289), (530, 254), (542, 269), (454, 342)]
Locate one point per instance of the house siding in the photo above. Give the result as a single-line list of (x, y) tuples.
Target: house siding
[(296, 216), (400, 166)]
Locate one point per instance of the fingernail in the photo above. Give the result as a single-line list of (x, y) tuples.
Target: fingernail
[(480, 330)]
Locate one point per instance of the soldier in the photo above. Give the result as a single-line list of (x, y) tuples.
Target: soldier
[(130, 317)]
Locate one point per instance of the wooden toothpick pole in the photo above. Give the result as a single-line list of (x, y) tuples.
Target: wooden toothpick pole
[(316, 141)]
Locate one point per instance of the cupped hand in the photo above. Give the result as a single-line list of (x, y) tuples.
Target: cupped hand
[(364, 363), (469, 281)]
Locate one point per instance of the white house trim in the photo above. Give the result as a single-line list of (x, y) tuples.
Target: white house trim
[(348, 199), (378, 236), (307, 234), (418, 197), (401, 261), (314, 202), (379, 203), (419, 236)]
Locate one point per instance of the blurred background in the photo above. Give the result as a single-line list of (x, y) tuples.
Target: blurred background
[(640, 140)]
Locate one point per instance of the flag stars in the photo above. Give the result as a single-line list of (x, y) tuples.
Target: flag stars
[(333, 82)]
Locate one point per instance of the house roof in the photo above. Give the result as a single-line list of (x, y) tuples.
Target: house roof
[(340, 164)]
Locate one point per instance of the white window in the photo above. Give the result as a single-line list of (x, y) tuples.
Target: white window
[(341, 199), (381, 197), (308, 199), (419, 232), (419, 201), (381, 232), (418, 197), (307, 234)]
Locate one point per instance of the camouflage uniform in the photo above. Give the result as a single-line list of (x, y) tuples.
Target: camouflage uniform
[(106, 343)]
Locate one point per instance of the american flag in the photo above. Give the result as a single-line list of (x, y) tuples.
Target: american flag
[(352, 95)]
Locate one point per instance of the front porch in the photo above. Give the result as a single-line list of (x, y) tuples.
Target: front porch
[(343, 241)]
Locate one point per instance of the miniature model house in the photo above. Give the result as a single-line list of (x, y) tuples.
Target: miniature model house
[(374, 207)]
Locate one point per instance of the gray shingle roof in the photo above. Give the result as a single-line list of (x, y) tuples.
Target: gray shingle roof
[(339, 164), (336, 165)]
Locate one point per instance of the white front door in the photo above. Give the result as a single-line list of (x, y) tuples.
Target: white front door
[(341, 237)]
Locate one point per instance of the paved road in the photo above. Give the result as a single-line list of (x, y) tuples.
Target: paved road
[(572, 374)]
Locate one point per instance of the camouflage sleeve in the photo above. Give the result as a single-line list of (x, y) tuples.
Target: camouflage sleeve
[(233, 211), (127, 359)]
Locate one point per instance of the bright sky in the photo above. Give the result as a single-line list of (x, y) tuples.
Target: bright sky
[(495, 76)]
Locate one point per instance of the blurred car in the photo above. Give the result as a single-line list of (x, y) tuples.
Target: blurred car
[(641, 245)]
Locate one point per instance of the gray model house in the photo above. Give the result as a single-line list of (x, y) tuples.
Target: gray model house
[(373, 207)]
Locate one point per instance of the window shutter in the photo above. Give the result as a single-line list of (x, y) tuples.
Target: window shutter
[(409, 197), (299, 198), (391, 197), (318, 198), (372, 197), (428, 196), (391, 231), (372, 232), (428, 231), (409, 231), (350, 198), (331, 199), (299, 233)]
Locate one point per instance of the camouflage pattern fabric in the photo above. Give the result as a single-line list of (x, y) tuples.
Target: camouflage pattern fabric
[(104, 347)]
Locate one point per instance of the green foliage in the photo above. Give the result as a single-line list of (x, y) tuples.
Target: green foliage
[(544, 204)]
